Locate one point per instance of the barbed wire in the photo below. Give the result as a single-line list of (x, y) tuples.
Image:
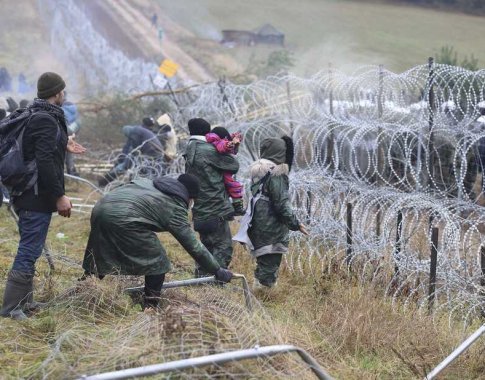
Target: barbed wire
[(391, 145), (387, 144)]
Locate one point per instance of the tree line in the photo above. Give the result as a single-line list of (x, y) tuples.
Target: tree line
[(468, 6)]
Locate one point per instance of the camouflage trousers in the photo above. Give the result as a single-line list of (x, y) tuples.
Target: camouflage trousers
[(267, 268), (219, 244)]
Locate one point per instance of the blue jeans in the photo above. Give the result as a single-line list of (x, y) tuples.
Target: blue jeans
[(33, 227)]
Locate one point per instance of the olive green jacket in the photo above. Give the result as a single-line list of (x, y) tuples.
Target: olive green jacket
[(204, 162), (273, 216), (123, 226)]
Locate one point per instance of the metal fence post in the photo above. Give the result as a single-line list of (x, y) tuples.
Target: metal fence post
[(331, 88), (308, 205), (379, 168), (397, 250), (331, 138), (349, 235), (431, 104), (432, 268), (482, 266), (290, 105)]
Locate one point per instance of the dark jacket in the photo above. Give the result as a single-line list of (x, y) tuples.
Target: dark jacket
[(203, 161), (123, 226), (45, 139), (143, 139)]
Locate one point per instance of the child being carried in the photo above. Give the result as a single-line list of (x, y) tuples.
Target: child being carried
[(227, 143)]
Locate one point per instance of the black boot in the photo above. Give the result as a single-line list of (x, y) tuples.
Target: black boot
[(152, 291), (151, 299), (136, 295), (32, 306), (17, 292)]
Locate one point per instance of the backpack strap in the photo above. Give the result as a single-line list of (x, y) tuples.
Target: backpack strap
[(34, 180), (263, 181)]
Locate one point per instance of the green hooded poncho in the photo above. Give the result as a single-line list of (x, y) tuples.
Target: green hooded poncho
[(273, 215), (203, 161), (123, 226)]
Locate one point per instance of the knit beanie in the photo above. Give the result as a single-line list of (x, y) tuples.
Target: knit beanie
[(199, 127), (148, 122), (191, 183), (222, 132), (49, 84)]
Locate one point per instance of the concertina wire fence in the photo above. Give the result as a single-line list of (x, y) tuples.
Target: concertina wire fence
[(388, 171), (383, 162)]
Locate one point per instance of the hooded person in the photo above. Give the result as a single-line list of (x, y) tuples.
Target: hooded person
[(272, 215), (212, 209), (148, 123), (123, 236), (167, 136), (73, 126), (140, 140), (226, 143)]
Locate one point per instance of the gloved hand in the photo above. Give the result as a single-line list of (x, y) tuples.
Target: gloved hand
[(238, 206), (223, 275)]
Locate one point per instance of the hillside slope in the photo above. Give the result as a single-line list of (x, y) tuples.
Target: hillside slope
[(348, 34)]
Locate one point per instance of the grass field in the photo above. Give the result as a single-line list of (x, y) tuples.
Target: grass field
[(353, 330), (348, 34)]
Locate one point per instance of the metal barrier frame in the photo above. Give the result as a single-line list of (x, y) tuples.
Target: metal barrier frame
[(222, 358), (201, 281), (456, 353)]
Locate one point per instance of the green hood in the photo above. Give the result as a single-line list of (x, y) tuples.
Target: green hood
[(274, 150)]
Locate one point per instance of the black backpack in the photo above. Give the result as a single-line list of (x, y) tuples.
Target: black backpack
[(17, 175)]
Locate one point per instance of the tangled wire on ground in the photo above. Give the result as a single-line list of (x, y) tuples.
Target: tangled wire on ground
[(193, 322)]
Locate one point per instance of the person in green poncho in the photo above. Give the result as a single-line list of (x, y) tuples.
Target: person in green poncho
[(273, 216), (123, 226), (212, 209)]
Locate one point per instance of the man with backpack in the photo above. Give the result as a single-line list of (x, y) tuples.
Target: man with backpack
[(42, 144)]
